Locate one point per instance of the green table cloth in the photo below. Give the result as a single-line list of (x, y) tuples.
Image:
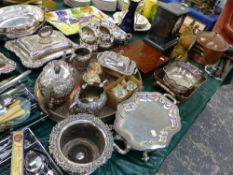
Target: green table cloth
[(131, 163)]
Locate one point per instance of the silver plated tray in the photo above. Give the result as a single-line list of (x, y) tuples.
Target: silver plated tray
[(6, 65), (33, 53), (63, 111), (20, 20), (147, 121), (117, 62), (182, 75)]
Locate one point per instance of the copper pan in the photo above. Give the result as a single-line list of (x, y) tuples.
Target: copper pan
[(208, 48)]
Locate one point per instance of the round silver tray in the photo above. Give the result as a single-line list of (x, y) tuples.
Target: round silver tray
[(61, 112)]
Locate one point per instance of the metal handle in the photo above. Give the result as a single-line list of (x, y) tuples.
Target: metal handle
[(118, 149), (170, 97)]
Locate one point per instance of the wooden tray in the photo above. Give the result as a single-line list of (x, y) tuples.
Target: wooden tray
[(146, 57)]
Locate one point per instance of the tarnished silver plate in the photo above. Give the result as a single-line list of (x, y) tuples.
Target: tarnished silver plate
[(34, 53), (117, 62), (6, 65), (20, 20), (182, 76), (147, 121)]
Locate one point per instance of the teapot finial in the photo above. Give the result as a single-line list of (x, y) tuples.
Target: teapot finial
[(57, 69)]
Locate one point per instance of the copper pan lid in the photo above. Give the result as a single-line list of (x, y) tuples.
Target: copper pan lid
[(212, 41)]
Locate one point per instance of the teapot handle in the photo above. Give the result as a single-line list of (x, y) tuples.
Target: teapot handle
[(118, 149)]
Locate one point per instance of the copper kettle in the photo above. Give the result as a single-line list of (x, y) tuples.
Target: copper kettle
[(208, 48)]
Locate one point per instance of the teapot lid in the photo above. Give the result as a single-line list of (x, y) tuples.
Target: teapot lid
[(212, 41)]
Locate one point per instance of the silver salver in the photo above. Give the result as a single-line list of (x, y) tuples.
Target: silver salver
[(20, 20), (146, 122), (6, 65)]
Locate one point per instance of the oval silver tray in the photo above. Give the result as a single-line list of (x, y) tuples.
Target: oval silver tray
[(20, 20), (61, 112), (147, 121)]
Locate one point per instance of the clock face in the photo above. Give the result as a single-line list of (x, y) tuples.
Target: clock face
[(177, 25)]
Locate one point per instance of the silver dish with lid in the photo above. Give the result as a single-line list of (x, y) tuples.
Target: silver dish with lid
[(146, 122), (6, 65), (182, 76), (80, 144), (57, 81), (117, 62), (20, 20), (36, 50)]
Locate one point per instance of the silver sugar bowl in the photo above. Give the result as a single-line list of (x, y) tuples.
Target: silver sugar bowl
[(90, 99), (81, 57), (80, 144)]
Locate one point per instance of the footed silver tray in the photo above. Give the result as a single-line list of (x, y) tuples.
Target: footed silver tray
[(6, 65), (34, 51), (20, 20), (146, 122)]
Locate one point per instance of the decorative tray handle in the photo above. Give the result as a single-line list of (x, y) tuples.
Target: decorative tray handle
[(118, 149), (171, 98)]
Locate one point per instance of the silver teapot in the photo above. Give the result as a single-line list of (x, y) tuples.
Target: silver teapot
[(57, 81)]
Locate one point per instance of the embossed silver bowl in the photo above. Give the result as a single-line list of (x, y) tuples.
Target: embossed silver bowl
[(105, 36), (82, 56), (146, 122), (90, 99), (88, 33), (182, 76), (56, 81), (80, 144)]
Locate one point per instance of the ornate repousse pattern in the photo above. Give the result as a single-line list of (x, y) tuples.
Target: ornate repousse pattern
[(91, 107), (61, 84), (81, 168)]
